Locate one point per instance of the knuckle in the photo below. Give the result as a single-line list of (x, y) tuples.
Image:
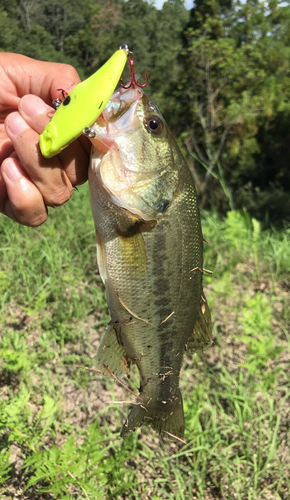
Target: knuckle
[(37, 219), (27, 216), (69, 71), (59, 196)]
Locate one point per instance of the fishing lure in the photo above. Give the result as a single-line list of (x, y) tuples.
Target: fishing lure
[(82, 106)]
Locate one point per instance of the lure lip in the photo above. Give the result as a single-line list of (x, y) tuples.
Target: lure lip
[(86, 102)]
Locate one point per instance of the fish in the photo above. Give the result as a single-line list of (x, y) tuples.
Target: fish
[(150, 256)]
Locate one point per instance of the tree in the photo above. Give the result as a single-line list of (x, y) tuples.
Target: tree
[(235, 96)]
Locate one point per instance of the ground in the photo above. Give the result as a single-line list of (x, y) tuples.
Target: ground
[(60, 420)]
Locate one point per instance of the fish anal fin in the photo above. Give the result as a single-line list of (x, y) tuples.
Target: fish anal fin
[(164, 418), (111, 354), (201, 337)]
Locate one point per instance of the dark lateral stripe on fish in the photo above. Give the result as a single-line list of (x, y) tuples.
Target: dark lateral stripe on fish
[(164, 309)]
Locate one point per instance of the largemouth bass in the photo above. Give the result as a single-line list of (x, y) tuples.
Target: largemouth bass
[(150, 255)]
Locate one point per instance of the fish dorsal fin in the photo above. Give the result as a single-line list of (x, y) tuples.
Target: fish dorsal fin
[(201, 337)]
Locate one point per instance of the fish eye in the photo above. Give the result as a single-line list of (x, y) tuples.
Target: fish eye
[(154, 125)]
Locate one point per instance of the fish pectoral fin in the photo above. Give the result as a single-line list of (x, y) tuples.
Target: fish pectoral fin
[(201, 337), (133, 253), (164, 419), (111, 355)]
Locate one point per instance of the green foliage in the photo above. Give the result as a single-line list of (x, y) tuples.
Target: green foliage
[(86, 468), (59, 426), (4, 466), (258, 336), (236, 78), (70, 466), (231, 93), (240, 228), (222, 422), (8, 31), (219, 72)]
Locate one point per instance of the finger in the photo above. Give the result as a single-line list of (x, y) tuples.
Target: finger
[(35, 112), (75, 158), (3, 192), (23, 201), (6, 146), (29, 76), (47, 174)]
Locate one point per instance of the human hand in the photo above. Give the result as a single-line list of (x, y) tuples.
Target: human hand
[(29, 183)]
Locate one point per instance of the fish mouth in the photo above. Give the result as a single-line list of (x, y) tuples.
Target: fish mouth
[(122, 101), (119, 116)]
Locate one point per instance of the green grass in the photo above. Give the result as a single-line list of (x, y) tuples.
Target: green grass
[(59, 423)]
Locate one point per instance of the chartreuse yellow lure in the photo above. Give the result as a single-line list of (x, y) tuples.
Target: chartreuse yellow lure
[(82, 106)]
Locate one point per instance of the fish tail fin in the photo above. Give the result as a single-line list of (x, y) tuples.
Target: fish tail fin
[(163, 419), (111, 354)]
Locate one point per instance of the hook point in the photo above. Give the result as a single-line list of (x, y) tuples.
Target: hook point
[(133, 81)]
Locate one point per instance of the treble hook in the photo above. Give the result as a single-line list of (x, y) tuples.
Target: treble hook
[(133, 80), (57, 102)]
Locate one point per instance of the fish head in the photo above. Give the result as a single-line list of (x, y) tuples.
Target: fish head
[(134, 155)]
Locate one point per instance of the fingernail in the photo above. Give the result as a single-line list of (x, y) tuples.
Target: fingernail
[(10, 170), (15, 124), (32, 105)]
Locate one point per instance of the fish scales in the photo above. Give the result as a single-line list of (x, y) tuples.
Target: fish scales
[(150, 249)]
